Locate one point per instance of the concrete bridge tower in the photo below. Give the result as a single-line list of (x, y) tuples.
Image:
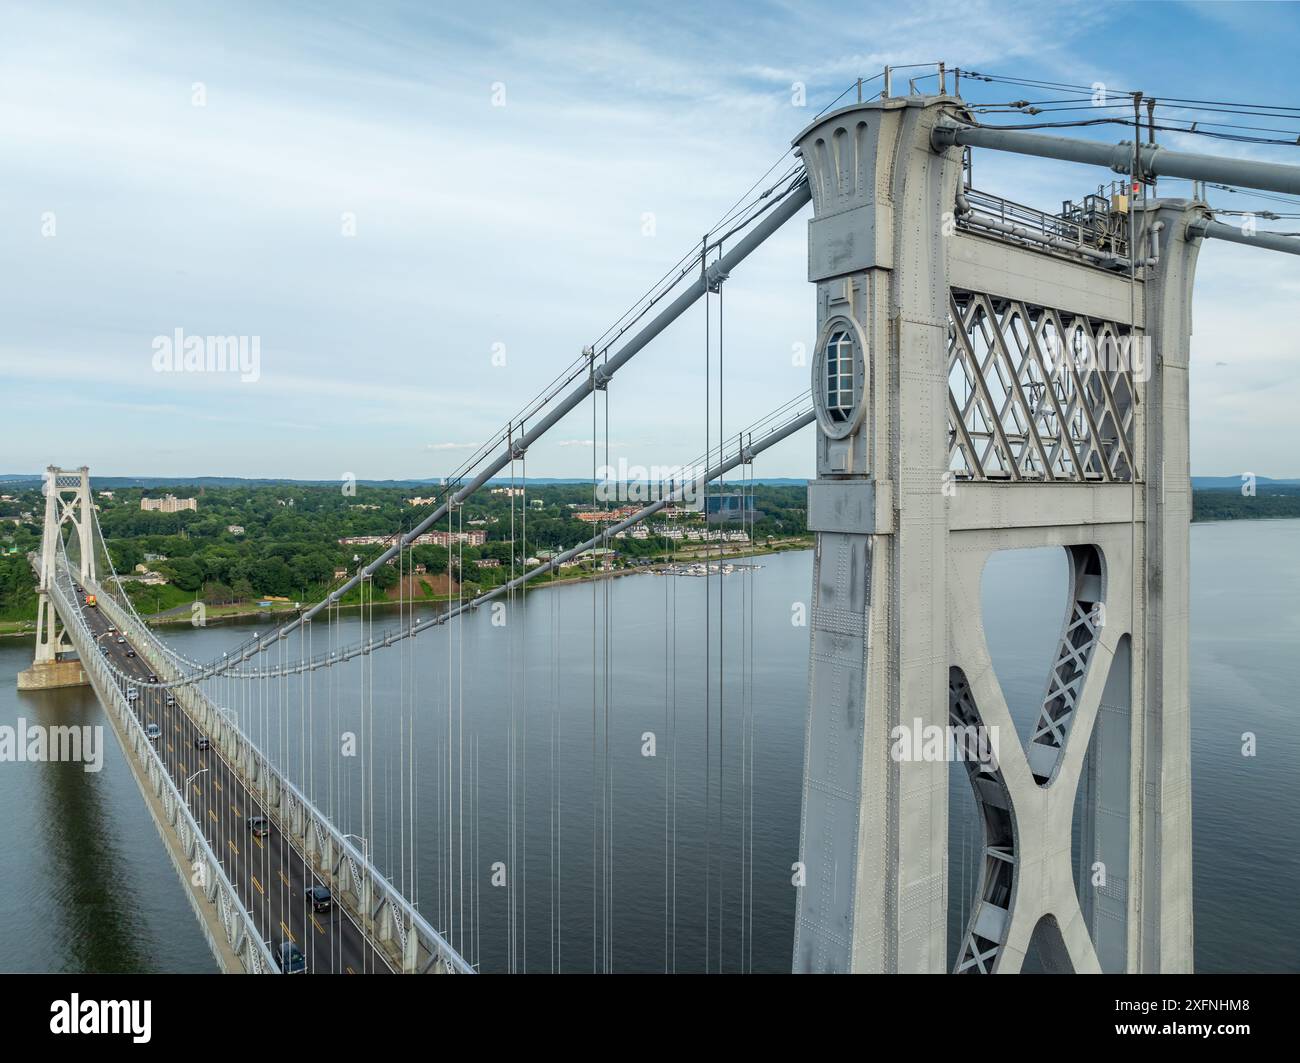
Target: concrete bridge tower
[(67, 501), (983, 386)]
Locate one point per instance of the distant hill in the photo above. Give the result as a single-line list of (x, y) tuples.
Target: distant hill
[(1210, 483)]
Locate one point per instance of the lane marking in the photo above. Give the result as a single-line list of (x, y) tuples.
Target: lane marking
[(233, 846), (258, 886), (170, 748), (351, 971), (195, 788), (213, 815), (287, 932), (258, 842), (284, 878), (319, 929), (216, 784)]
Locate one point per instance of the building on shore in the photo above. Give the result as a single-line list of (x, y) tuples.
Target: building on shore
[(474, 537), (168, 504)]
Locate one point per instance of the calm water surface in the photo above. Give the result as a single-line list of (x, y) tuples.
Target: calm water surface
[(510, 718)]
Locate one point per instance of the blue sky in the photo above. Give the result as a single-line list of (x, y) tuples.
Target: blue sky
[(517, 225)]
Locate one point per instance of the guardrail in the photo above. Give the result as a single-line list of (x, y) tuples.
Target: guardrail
[(203, 869), (381, 910)]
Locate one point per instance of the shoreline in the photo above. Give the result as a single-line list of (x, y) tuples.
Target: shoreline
[(534, 585), (28, 628), (156, 620)]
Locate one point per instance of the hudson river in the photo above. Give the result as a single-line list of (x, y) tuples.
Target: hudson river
[(85, 884)]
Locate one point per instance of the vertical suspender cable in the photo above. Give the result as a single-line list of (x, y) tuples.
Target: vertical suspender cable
[(595, 848), (708, 624), (607, 564), (523, 724), (722, 630)]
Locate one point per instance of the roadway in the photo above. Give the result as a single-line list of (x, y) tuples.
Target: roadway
[(270, 874)]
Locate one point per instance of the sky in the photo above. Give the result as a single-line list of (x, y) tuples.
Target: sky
[(422, 212)]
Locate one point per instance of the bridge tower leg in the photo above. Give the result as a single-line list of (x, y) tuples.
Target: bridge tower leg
[(952, 425), (67, 501), (1163, 898), (874, 833)]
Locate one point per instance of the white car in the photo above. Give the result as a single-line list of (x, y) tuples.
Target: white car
[(131, 695), (152, 732)]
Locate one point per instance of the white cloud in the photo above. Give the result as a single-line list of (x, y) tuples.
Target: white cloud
[(478, 226)]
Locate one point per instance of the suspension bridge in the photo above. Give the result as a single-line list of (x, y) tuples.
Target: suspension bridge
[(987, 376)]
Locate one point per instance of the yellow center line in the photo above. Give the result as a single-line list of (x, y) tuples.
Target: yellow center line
[(195, 788), (319, 929), (351, 971), (258, 842), (284, 878), (258, 886), (287, 932), (213, 815), (216, 784), (234, 810), (170, 748), (233, 846)]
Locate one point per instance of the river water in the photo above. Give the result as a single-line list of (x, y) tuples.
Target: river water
[(508, 722)]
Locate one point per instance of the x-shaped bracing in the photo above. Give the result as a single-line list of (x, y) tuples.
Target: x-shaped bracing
[(1038, 818)]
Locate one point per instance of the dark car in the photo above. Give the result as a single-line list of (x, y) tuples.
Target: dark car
[(203, 742), (171, 700), (130, 653), (291, 959), (259, 825), (152, 732), (153, 678), (320, 898)]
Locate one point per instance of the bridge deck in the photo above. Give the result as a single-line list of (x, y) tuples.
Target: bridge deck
[(270, 873)]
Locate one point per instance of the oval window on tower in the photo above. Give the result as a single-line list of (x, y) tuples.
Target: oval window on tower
[(840, 377)]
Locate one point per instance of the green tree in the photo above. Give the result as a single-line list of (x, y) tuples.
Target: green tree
[(218, 594), (385, 576), (185, 572)]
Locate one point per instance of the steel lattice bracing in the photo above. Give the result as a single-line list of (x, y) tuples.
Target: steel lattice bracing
[(1036, 393), (1084, 619), (987, 931)]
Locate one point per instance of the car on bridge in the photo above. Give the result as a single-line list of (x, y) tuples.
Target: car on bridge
[(152, 732), (259, 825), (130, 652), (132, 694), (121, 641), (153, 678), (320, 898), (203, 742), (291, 959), (171, 700)]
